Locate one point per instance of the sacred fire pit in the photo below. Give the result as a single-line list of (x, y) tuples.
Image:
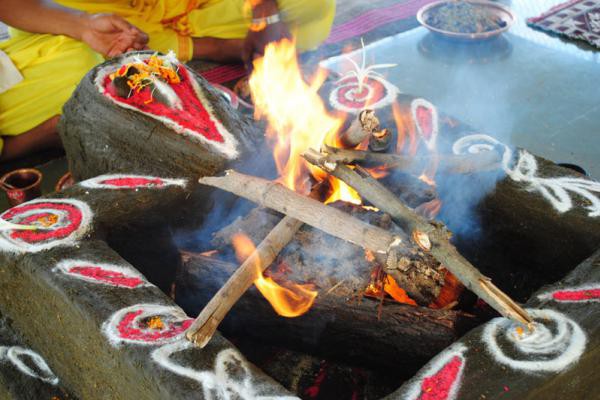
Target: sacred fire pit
[(357, 294)]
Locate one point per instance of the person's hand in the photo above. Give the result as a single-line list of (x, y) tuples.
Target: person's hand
[(257, 40), (111, 35)]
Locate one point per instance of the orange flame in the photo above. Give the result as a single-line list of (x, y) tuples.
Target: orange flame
[(297, 118), (406, 131), (425, 178), (391, 287), (290, 301), (449, 293), (429, 210), (296, 114), (382, 283), (341, 191)]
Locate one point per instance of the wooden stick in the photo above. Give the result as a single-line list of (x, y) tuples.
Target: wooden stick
[(430, 236), (450, 163), (328, 219), (204, 327)]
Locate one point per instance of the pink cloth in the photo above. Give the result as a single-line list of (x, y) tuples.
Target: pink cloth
[(354, 27), (576, 19)]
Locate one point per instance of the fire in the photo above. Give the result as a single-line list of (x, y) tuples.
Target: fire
[(431, 209), (407, 137), (210, 253), (391, 287), (297, 118), (449, 293), (341, 191), (290, 301), (382, 283), (425, 178), (296, 114)]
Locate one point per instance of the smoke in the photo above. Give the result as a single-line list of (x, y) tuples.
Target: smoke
[(473, 94), (461, 80), (224, 207)]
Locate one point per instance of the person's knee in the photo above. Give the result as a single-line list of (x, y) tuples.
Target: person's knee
[(52, 68)]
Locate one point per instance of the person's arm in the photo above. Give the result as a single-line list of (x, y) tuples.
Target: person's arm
[(267, 27), (107, 34)]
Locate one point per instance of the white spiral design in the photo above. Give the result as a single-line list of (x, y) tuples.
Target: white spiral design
[(478, 143), (130, 325), (554, 344), (348, 96), (557, 190), (62, 221)]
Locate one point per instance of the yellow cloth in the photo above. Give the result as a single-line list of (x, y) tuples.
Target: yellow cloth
[(171, 24), (52, 65)]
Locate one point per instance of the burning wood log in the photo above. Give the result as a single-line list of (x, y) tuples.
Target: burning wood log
[(205, 325), (380, 140), (387, 247), (424, 290), (448, 163), (335, 327), (308, 258), (431, 236), (360, 129)]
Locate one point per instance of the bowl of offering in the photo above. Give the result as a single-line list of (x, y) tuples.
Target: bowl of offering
[(466, 19)]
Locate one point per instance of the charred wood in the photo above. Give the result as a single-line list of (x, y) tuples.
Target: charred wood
[(338, 327), (316, 257)]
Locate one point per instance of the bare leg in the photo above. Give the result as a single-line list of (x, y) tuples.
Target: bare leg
[(43, 136), (218, 50)]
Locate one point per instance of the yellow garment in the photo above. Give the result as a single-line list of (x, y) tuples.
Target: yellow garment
[(171, 24), (52, 67)]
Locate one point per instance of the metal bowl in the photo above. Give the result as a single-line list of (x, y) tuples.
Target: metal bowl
[(498, 10)]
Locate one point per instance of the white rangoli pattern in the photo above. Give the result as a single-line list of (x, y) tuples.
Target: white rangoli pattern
[(230, 378), (362, 87), (555, 343), (555, 190), (15, 355)]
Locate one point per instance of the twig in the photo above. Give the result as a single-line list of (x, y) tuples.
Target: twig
[(448, 163), (337, 285), (204, 327)]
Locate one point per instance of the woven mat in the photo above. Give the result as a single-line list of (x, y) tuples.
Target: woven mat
[(576, 19), (371, 20)]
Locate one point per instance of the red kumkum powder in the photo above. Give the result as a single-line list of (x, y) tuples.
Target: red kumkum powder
[(425, 121), (73, 216), (129, 330), (194, 115), (133, 182), (359, 100), (103, 275), (439, 385), (576, 295)]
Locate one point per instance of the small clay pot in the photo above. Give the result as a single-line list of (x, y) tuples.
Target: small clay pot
[(65, 182), (21, 185)]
